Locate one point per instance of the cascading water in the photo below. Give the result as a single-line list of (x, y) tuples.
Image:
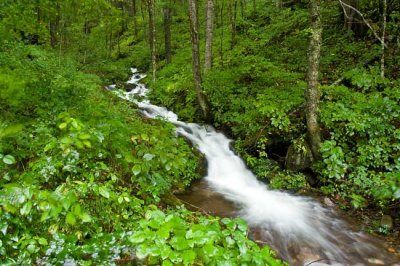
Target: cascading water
[(300, 229)]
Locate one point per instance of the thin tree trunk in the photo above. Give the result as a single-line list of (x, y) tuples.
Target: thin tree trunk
[(232, 19), (54, 26), (152, 37), (194, 32), (134, 12), (383, 39), (167, 33), (312, 93), (221, 47), (209, 35)]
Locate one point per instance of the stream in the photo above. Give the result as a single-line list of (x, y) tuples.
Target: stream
[(300, 229)]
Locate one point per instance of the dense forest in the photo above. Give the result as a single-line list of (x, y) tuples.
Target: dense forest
[(309, 91)]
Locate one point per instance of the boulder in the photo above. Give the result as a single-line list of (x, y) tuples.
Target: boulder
[(128, 87), (299, 156)]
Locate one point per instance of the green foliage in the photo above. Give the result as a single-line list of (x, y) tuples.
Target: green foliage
[(80, 169), (287, 180), (360, 160)]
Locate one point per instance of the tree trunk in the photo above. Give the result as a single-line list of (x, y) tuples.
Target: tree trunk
[(152, 37), (209, 35), (134, 12), (54, 26), (167, 33), (221, 47), (194, 32), (312, 93), (232, 19), (383, 39)]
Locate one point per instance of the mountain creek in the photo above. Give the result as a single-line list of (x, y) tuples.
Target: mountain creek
[(304, 230)]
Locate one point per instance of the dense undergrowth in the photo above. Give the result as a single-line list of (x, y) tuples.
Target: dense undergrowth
[(82, 174)]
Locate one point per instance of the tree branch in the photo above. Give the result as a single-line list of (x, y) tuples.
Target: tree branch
[(344, 5)]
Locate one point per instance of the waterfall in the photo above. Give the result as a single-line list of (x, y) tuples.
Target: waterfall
[(299, 228)]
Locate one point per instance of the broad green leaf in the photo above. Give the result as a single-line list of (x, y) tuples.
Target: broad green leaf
[(85, 217), (179, 243), (167, 263), (396, 194), (209, 249), (44, 216), (144, 137), (104, 192), (137, 237), (188, 257), (241, 225), (9, 159), (62, 125), (32, 248), (70, 218), (77, 210), (120, 199), (42, 241), (136, 169), (3, 228), (87, 143), (148, 156), (25, 210), (84, 136), (163, 232), (142, 252), (74, 123)]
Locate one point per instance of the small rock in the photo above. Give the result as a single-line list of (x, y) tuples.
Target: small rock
[(387, 222), (328, 202), (129, 87), (376, 261), (391, 250)]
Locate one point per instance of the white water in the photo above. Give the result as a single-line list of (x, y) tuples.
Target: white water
[(303, 232)]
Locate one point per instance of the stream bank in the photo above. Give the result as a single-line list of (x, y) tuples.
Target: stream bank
[(299, 228)]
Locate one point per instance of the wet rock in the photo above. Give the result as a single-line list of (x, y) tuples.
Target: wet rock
[(299, 156), (375, 261), (328, 202), (387, 222), (129, 87)]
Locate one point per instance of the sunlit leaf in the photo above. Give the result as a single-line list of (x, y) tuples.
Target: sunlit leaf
[(26, 208), (62, 125), (70, 218), (9, 159), (136, 169), (104, 192)]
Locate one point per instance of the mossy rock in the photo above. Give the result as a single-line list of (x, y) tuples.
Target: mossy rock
[(298, 156)]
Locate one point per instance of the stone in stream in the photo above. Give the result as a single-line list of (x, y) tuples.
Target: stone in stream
[(129, 87), (375, 261), (387, 222), (328, 202)]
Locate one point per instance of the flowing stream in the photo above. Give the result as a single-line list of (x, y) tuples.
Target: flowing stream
[(301, 230)]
